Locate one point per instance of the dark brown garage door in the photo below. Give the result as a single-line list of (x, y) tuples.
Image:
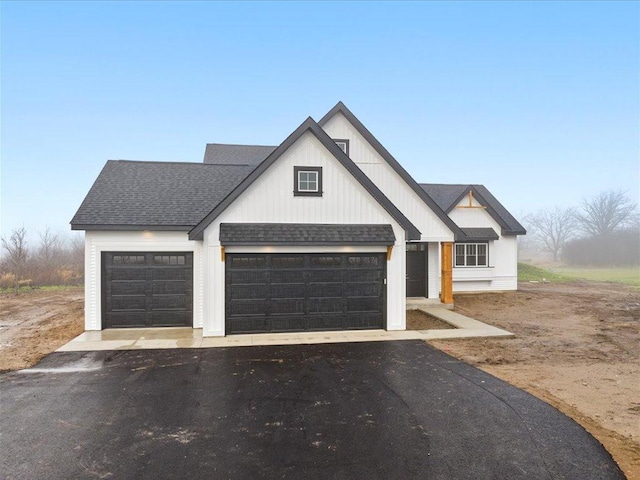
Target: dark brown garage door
[(147, 289), (283, 293)]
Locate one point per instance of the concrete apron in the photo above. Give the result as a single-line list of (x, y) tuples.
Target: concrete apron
[(186, 337)]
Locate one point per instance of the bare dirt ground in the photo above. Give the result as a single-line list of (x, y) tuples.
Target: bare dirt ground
[(577, 347), (416, 320), (37, 322)]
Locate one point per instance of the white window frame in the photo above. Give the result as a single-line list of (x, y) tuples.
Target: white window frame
[(471, 251), (308, 181)]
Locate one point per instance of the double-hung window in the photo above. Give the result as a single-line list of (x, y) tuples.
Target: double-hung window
[(472, 255), (307, 181)]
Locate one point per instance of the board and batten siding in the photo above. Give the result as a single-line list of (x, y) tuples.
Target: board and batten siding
[(388, 181), (270, 199), (97, 242), (502, 273)]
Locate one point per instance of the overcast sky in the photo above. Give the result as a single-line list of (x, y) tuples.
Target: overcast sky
[(538, 101)]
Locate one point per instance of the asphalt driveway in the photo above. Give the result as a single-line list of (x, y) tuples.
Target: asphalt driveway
[(387, 410)]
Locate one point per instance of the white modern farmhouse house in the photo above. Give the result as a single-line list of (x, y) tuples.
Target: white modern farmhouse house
[(325, 231)]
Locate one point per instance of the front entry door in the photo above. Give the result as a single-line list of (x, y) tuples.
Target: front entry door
[(416, 270)]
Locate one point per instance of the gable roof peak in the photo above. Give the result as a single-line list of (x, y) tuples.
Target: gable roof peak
[(393, 163), (309, 125)]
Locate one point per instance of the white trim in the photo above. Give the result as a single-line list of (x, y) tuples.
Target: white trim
[(97, 242), (305, 249)]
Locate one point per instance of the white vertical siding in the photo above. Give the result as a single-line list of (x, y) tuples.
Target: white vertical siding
[(433, 270), (386, 179), (97, 242), (270, 199), (503, 254)]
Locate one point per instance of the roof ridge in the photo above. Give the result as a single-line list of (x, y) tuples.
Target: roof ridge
[(240, 145), (449, 184), (174, 162)]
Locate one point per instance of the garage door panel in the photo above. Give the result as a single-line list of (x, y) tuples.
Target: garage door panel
[(129, 302), (325, 290), (326, 305), (326, 276), (247, 307), (363, 305), (304, 292), (287, 291), (169, 287), (169, 273), (249, 292), (147, 289), (364, 289), (128, 319), (362, 275), (249, 277), (286, 276), (172, 302), (286, 306), (365, 321), (283, 323), (169, 319), (135, 287), (129, 274), (250, 324)]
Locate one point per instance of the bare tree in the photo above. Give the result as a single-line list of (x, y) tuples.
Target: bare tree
[(608, 211), (17, 253), (553, 227), (49, 246)]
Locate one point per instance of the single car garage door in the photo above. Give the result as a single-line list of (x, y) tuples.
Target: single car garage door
[(147, 289), (284, 293)]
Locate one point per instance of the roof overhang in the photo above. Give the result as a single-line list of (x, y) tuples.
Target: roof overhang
[(130, 228)]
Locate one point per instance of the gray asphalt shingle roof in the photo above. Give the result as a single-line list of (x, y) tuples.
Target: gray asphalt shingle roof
[(480, 234), (303, 233), (171, 195), (448, 195), (226, 154)]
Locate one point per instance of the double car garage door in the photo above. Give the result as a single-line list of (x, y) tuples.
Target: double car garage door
[(281, 293), (264, 292)]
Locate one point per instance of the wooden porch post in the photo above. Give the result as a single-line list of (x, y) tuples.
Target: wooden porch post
[(446, 287)]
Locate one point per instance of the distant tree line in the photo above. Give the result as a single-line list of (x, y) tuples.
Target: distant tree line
[(603, 231), (52, 261)]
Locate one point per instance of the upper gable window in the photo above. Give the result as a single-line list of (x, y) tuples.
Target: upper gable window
[(343, 144), (307, 181)]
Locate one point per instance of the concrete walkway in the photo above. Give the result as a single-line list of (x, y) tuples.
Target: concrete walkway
[(185, 337)]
